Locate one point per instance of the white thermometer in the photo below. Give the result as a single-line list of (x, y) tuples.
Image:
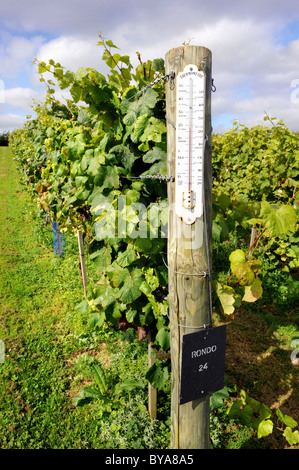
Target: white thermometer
[(190, 138)]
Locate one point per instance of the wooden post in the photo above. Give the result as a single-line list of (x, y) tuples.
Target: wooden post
[(82, 261), (152, 392), (189, 296), (252, 238)]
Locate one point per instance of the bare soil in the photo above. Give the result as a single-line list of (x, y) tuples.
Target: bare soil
[(259, 362)]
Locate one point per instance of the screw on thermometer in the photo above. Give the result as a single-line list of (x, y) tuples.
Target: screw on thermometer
[(190, 143)]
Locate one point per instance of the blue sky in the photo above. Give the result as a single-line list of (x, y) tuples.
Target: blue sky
[(255, 48)]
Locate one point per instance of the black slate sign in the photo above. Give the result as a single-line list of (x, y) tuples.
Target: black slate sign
[(203, 361)]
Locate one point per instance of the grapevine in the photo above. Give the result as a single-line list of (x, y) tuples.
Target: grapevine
[(81, 162)]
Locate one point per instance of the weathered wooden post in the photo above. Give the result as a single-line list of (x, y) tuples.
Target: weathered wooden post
[(188, 113), (152, 391), (82, 262)]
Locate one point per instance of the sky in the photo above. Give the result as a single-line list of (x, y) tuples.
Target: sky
[(254, 45)]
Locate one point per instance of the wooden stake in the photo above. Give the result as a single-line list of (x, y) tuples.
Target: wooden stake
[(252, 239), (152, 392), (189, 299), (82, 261)]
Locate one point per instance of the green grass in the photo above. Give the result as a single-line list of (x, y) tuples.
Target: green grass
[(49, 347)]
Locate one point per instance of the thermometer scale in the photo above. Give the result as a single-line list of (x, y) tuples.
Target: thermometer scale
[(190, 137)]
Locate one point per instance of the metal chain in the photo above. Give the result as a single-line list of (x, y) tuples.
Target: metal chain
[(168, 76), (152, 177), (158, 177)]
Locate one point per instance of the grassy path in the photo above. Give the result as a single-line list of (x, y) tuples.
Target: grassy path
[(37, 295), (30, 272), (49, 348)]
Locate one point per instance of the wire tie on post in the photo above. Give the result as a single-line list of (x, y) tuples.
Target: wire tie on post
[(203, 274), (202, 327)]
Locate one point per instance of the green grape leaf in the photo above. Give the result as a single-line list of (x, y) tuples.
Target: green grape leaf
[(107, 177), (264, 411), (109, 43), (108, 58), (163, 339), (153, 130), (254, 291), (131, 314), (245, 271), (127, 257), (102, 258), (158, 65), (228, 298), (151, 279), (280, 220), (234, 410), (132, 196), (157, 375), (105, 296), (83, 307), (156, 154), (96, 320), (81, 73), (149, 98), (143, 244), (265, 428), (124, 155), (244, 274), (256, 265), (245, 415), (291, 436), (140, 125), (117, 275), (137, 108), (130, 290), (146, 289), (94, 164), (287, 420), (216, 400), (216, 231), (80, 181), (237, 258)]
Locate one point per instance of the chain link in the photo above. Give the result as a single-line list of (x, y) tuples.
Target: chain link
[(168, 76), (152, 177), (159, 177)]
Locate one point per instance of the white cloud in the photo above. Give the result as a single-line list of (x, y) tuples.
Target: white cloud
[(11, 121), (72, 52), (253, 64), (22, 97), (17, 54), (145, 21)]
